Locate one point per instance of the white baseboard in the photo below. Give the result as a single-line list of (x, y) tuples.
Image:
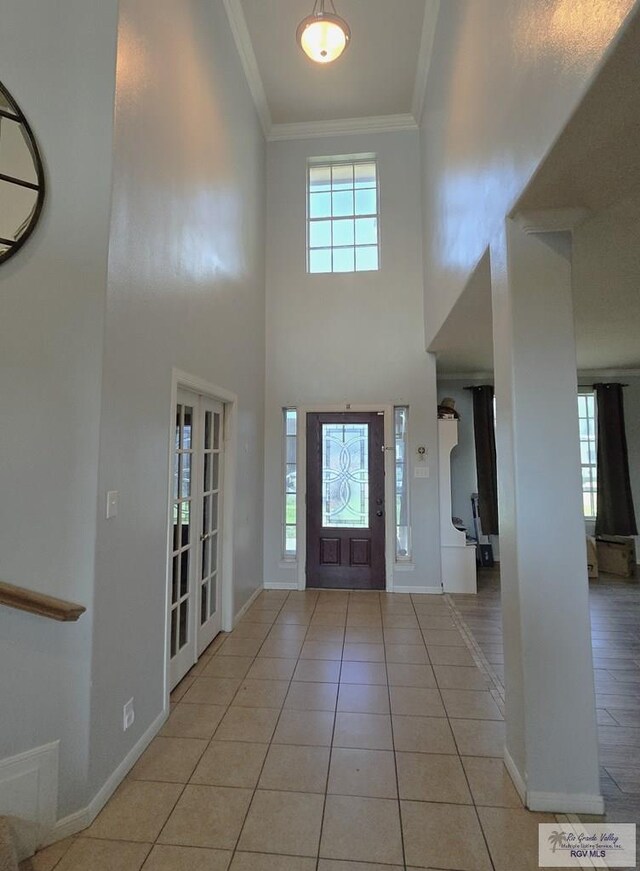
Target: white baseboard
[(83, 818), (565, 803), (516, 777), (552, 802), (429, 591), (29, 790), (281, 585), (247, 605)]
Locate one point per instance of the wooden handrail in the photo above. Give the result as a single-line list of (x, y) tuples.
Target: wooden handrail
[(38, 603)]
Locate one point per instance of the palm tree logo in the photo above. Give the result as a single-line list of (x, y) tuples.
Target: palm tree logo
[(556, 839)]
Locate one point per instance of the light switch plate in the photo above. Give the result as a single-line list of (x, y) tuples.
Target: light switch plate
[(421, 471), (112, 504)]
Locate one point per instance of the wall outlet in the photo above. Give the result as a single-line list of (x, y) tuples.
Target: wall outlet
[(128, 715), (112, 504)]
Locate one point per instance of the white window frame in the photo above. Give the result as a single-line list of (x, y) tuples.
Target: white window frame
[(342, 160), (287, 555), (402, 558), (592, 437)]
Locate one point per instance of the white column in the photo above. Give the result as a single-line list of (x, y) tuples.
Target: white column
[(551, 744)]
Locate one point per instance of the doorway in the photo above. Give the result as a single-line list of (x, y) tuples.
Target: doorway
[(345, 544), (195, 549)]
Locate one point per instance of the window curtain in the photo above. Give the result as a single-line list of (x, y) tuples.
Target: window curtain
[(615, 514), (486, 466)]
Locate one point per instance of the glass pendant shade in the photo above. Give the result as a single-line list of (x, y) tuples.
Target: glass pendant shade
[(323, 36)]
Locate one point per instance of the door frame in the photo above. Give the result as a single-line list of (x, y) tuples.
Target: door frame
[(389, 477), (229, 400)]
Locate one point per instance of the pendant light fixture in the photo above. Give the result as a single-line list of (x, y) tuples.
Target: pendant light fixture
[(323, 36)]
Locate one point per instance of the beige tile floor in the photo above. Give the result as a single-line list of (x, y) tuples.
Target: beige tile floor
[(615, 639), (331, 731)]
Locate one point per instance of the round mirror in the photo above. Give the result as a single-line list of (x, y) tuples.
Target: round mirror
[(21, 178)]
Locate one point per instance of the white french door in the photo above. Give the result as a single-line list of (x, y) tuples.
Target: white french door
[(196, 536)]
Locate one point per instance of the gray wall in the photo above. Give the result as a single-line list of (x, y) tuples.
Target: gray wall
[(185, 289), (492, 62), (58, 60), (354, 338)]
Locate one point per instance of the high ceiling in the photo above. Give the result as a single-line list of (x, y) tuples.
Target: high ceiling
[(595, 166), (382, 73)]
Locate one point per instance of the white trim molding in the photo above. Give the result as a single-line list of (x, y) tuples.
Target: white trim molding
[(515, 776), (29, 785), (336, 127), (418, 591), (553, 802), (240, 31), (565, 803), (281, 585), (83, 818), (429, 22), (342, 127), (246, 606)]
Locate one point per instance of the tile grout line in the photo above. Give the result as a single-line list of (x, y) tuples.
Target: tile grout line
[(270, 744), (333, 732), (460, 756), (478, 656)]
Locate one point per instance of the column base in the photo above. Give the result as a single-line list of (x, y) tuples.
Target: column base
[(552, 802)]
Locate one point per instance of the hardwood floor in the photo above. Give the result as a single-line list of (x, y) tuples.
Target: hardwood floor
[(615, 632)]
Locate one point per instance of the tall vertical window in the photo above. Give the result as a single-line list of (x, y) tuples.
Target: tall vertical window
[(290, 485), (403, 542), (588, 452), (342, 216)]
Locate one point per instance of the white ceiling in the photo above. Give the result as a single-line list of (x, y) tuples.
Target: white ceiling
[(382, 74)]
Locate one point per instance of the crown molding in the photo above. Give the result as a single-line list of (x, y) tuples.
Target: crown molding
[(608, 373), (240, 32), (342, 127), (583, 375), (429, 22)]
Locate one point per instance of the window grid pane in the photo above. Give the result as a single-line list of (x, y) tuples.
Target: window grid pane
[(403, 526), (588, 453), (342, 226), (289, 516)]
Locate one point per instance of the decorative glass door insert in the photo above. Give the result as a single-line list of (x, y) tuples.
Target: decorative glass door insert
[(345, 475), (345, 500)]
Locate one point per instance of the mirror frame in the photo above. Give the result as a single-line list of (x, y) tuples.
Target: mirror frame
[(16, 114)]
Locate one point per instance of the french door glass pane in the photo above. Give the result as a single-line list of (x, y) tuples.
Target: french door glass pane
[(182, 519), (345, 475)]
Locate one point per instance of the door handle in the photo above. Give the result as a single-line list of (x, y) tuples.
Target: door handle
[(379, 512), (205, 536)]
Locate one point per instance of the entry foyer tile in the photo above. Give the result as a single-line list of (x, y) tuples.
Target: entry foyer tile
[(266, 862), (169, 759), (363, 731), (136, 812), (285, 823), (193, 721), (361, 829), (231, 763), (88, 854), (166, 858), (443, 836), (207, 816)]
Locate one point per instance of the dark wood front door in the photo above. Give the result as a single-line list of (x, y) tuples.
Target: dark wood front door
[(345, 500)]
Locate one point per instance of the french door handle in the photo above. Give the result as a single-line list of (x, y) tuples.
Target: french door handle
[(204, 536)]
